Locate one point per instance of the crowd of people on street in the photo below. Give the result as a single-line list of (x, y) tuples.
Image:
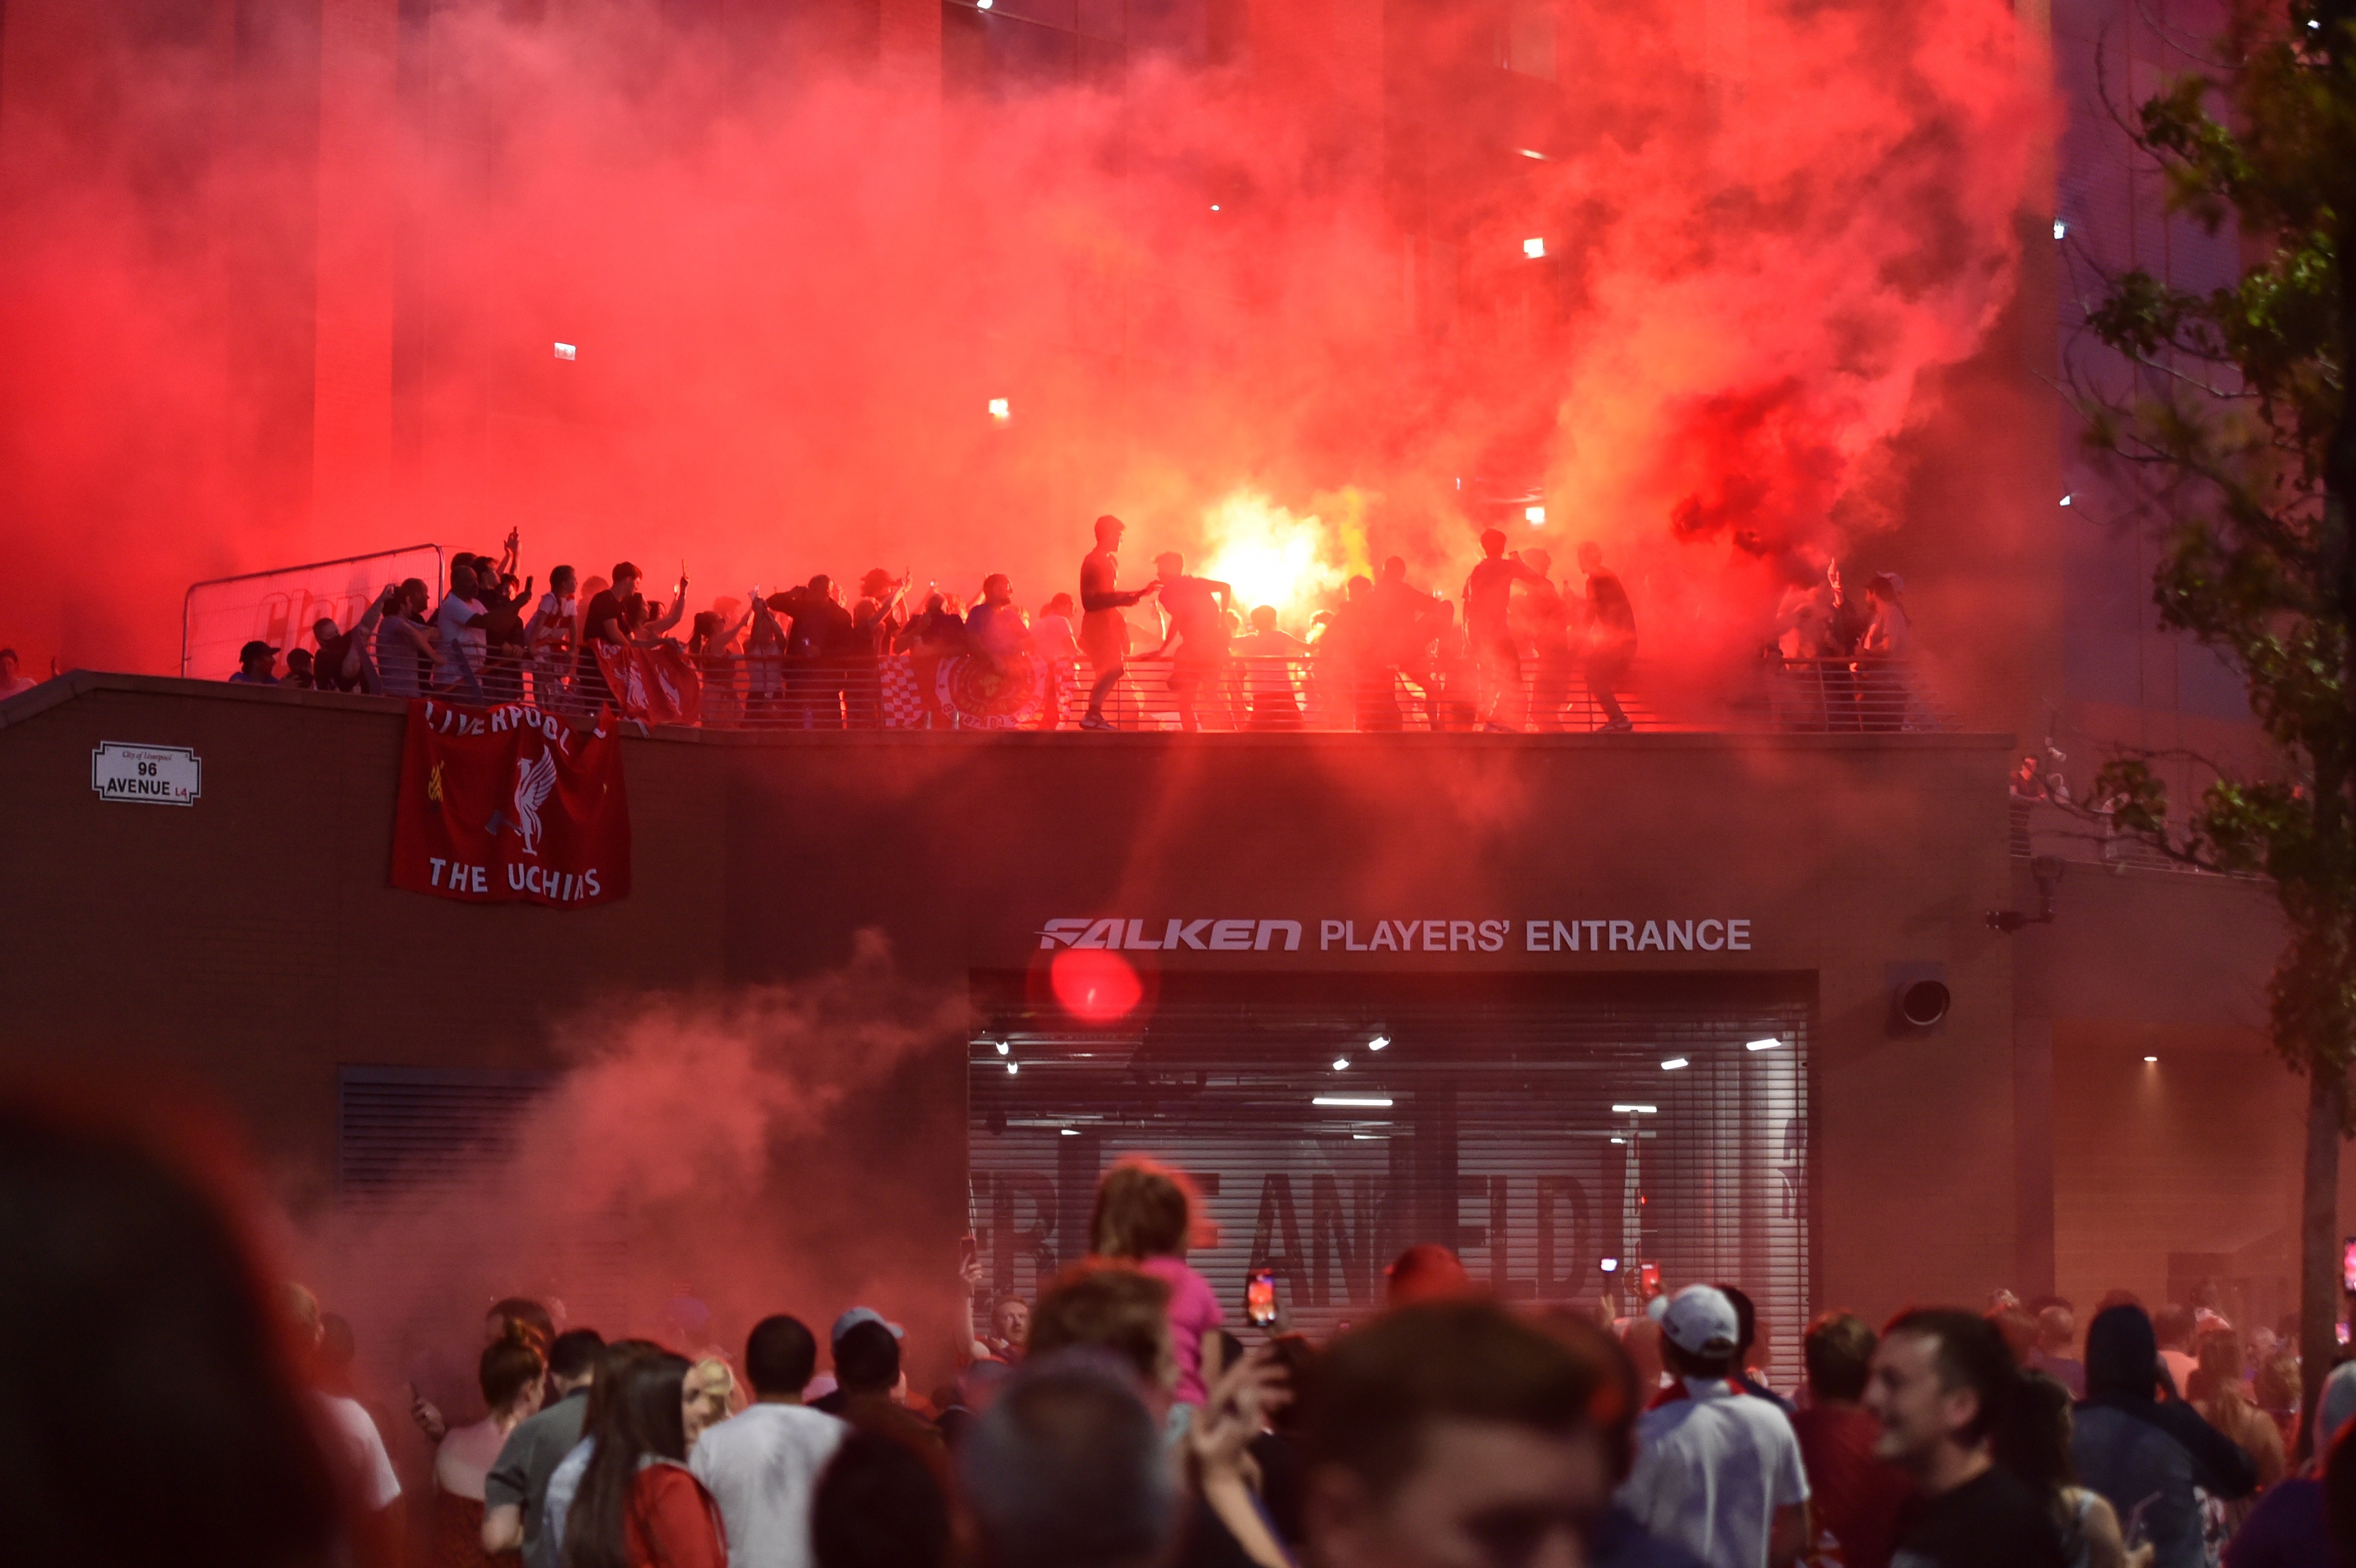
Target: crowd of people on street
[(1501, 656), (165, 1405)]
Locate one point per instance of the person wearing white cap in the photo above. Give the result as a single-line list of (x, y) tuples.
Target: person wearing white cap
[(1718, 1472)]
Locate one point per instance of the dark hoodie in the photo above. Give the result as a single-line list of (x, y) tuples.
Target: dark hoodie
[(2124, 1372)]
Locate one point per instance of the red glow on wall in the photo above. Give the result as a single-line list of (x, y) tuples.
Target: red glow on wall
[(1094, 985)]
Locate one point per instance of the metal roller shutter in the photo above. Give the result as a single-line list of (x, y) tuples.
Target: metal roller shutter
[(1508, 1134)]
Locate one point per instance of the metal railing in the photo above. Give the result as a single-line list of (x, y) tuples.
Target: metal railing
[(1249, 694), (1835, 696)]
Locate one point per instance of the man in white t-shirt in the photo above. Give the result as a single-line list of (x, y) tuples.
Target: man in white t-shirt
[(353, 1445), (1718, 1470), (466, 638), (762, 1463)]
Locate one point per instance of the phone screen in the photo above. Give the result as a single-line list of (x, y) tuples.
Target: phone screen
[(969, 1250), (2347, 1265), (1260, 1299)]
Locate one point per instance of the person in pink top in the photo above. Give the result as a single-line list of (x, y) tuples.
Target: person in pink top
[(1145, 1215)]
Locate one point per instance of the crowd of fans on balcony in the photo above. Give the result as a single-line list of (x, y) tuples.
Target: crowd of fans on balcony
[(1514, 649)]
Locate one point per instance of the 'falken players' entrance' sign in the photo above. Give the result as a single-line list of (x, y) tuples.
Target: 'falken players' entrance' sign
[(510, 804)]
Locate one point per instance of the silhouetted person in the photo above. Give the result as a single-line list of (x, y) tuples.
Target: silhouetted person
[(257, 664), (1104, 629), (148, 1407), (11, 683), (1611, 636), (1437, 1429), (867, 1373), (1425, 1272), (1067, 1469), (1198, 609), (879, 1505), (1859, 1500), (515, 1489), (763, 1464), (1268, 656), (1488, 598), (1549, 619), (2139, 1451)]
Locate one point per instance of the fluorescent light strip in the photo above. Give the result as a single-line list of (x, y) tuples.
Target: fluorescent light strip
[(1674, 1062), (1761, 1044), (1635, 1110), (1373, 1102)]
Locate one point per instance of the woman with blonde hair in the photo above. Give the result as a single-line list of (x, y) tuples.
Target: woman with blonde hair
[(1146, 1214)]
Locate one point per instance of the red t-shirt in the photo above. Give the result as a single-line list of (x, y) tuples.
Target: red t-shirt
[(1855, 1496), (673, 1522)]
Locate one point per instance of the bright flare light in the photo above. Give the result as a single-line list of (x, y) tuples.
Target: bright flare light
[(1534, 516), (999, 409), (1269, 556), (1534, 249)]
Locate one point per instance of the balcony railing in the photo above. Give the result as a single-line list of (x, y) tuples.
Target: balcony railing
[(1250, 694)]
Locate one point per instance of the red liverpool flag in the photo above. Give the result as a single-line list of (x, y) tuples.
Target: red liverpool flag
[(510, 805), (655, 686)]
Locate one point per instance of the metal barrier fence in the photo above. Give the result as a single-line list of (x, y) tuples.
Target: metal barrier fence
[(1254, 694)]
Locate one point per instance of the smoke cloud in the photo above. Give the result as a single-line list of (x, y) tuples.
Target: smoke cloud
[(756, 1151), (1701, 295)]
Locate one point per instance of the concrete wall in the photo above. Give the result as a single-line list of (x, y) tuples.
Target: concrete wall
[(251, 943)]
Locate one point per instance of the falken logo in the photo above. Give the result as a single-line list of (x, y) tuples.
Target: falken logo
[(1207, 934)]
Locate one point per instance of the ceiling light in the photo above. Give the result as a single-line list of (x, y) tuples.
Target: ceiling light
[(1369, 1137), (2061, 230), (1378, 1103), (1534, 249), (1674, 1062), (1003, 1047), (2151, 1059), (2065, 500), (1534, 516), (1619, 1140), (1379, 1042), (1071, 1132), (1635, 1110), (567, 351), (1012, 1068), (1001, 409), (1532, 153), (1761, 1044), (1610, 1266), (1341, 1064), (1214, 206)]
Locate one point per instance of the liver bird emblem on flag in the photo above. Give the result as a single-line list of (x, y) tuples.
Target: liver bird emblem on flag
[(534, 780)]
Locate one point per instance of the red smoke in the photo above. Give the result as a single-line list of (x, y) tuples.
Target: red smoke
[(795, 289)]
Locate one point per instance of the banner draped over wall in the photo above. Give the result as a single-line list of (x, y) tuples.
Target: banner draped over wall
[(510, 804)]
